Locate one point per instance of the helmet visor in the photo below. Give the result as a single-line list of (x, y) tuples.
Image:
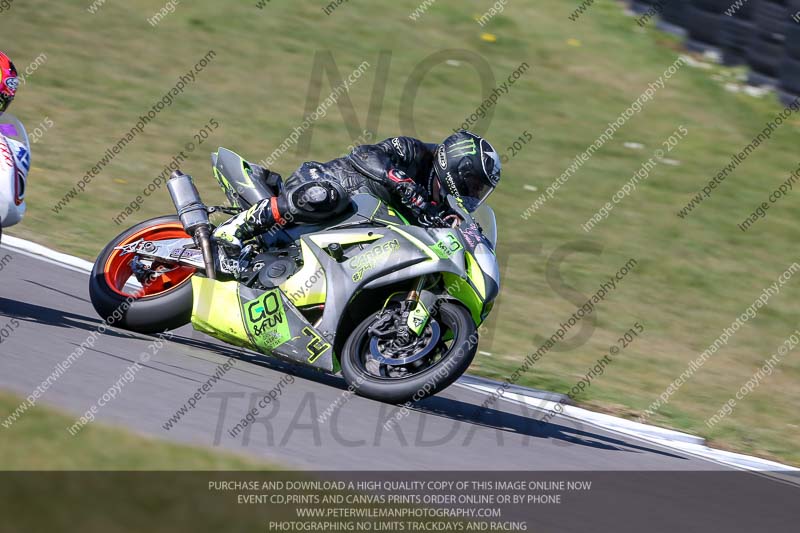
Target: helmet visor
[(476, 194), (473, 188)]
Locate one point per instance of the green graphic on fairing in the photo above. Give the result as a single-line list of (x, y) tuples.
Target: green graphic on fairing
[(471, 291), (371, 258), (316, 346), (266, 321), (387, 215), (230, 192), (464, 292), (446, 247)]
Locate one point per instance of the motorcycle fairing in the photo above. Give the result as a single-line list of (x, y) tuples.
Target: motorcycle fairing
[(383, 255), (478, 289), (265, 318), (234, 175), (216, 311), (14, 168), (276, 327), (264, 321), (308, 286), (447, 246)]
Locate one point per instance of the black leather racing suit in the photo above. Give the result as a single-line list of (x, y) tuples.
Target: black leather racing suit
[(398, 171)]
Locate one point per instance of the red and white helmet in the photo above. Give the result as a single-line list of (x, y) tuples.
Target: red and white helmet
[(8, 82)]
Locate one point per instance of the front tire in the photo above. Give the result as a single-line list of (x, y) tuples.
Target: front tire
[(454, 359), (164, 303)]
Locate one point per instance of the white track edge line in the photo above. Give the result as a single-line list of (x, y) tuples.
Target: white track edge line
[(628, 428)]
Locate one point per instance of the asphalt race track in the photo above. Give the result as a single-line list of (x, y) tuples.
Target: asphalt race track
[(447, 432)]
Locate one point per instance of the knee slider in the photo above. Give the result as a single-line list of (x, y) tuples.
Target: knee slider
[(317, 200)]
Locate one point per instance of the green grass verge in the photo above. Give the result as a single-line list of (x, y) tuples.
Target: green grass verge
[(39, 441), (109, 479), (694, 276)]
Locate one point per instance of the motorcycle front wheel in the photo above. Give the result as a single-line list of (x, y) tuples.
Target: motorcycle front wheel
[(163, 302), (448, 343)]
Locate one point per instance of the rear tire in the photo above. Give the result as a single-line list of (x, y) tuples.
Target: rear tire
[(440, 375), (168, 309)]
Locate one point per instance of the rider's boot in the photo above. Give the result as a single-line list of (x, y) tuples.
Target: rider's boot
[(260, 218)]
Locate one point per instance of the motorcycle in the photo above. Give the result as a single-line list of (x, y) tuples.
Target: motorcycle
[(15, 163), (394, 307)]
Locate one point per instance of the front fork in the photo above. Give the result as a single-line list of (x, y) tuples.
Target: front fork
[(414, 314)]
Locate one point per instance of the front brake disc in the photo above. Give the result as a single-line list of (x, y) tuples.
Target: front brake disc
[(386, 354)]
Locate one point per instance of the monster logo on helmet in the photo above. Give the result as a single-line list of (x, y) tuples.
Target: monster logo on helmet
[(463, 148), (469, 168)]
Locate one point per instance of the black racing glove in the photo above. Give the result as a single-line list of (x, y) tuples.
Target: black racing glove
[(413, 197), (409, 192), (431, 220)]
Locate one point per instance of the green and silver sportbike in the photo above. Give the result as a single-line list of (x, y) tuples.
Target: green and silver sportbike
[(394, 307)]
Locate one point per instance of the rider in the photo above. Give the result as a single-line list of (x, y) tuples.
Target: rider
[(8, 82), (14, 156), (401, 171)]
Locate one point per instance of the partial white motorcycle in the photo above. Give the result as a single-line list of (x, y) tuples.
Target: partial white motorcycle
[(15, 163)]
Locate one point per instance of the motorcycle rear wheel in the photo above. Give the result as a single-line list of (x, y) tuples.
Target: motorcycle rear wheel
[(445, 366), (164, 302)]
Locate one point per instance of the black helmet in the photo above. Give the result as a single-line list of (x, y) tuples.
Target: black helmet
[(468, 168)]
